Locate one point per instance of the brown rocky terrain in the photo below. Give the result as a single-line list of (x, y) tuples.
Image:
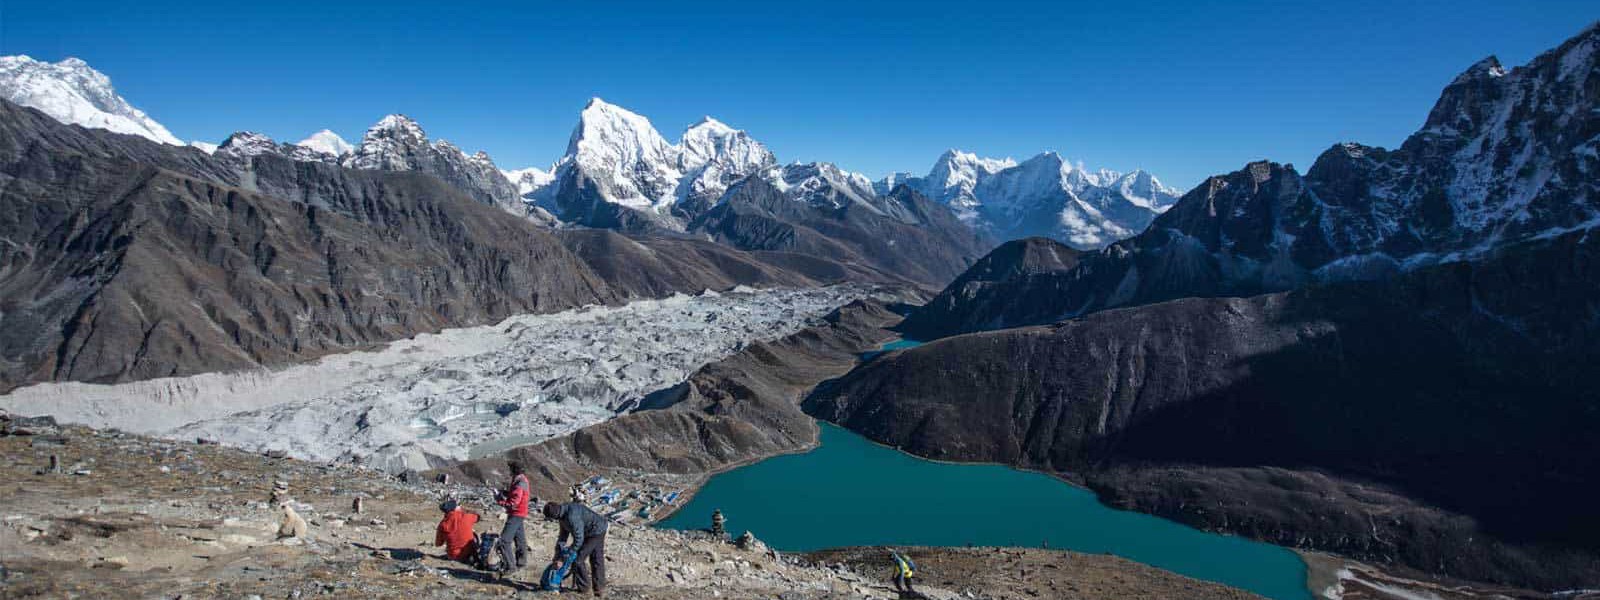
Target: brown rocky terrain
[(1031, 573), (134, 517)]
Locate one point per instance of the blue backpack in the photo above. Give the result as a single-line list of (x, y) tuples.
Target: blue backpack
[(551, 580), (486, 544)]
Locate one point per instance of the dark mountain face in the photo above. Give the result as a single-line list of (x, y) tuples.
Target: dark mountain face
[(1463, 385), (126, 259), (902, 233), (997, 284), (1504, 156), (652, 266)]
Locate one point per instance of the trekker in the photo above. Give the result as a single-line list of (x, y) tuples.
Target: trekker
[(455, 532), (904, 569), (515, 500), (588, 532)]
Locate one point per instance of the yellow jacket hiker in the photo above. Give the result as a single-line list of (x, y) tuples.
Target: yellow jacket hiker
[(904, 569)]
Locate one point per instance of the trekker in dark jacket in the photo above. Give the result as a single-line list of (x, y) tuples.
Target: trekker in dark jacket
[(588, 532), (515, 500)]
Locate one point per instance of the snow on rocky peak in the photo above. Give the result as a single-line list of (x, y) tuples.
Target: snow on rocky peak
[(398, 143), (893, 180), (529, 180), (1047, 195), (822, 184), (624, 155), (72, 92), (713, 156), (956, 174), (206, 147), (327, 142), (245, 144), (1044, 195), (391, 144), (625, 161)]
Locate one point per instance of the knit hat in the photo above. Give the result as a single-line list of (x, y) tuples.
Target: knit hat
[(448, 505), (552, 510)]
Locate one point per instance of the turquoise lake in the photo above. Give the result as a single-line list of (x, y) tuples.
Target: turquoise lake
[(852, 492)]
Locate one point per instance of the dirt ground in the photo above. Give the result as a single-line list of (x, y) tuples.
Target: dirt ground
[(1030, 573), (134, 517)]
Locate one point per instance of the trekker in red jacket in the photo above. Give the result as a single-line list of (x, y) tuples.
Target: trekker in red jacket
[(455, 532), (515, 500)]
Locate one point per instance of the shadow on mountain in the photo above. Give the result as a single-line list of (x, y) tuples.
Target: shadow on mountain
[(1466, 383)]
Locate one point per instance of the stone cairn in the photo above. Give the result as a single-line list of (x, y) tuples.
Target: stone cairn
[(719, 525)]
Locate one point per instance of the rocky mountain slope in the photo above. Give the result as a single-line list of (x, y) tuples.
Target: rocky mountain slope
[(129, 260), (1461, 387), (1014, 278), (275, 260), (901, 233), (397, 143), (1504, 156), (1043, 196), (71, 91)]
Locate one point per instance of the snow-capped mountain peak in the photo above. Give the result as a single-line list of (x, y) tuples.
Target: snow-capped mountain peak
[(72, 92), (712, 141), (396, 126), (327, 142), (625, 161), (957, 172), (244, 144), (607, 130), (529, 180), (624, 154), (1143, 190), (398, 143), (822, 184)]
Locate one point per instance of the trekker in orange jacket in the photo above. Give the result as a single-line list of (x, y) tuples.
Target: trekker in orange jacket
[(455, 532)]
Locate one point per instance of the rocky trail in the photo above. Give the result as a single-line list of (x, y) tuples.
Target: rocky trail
[(129, 516)]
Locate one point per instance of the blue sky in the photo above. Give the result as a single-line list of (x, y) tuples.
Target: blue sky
[(1184, 89)]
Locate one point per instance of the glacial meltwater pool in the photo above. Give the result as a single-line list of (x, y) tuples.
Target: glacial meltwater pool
[(852, 492)]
